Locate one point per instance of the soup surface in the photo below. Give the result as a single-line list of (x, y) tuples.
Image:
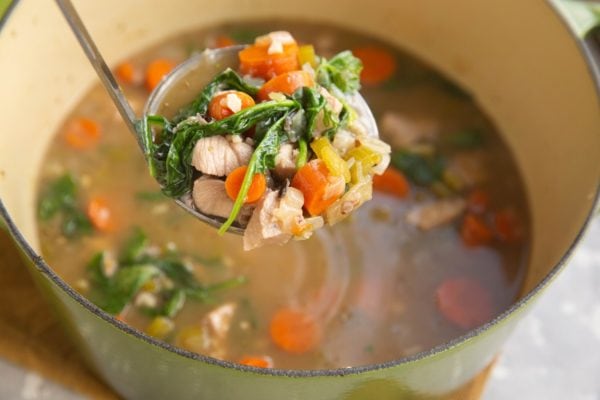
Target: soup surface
[(420, 264)]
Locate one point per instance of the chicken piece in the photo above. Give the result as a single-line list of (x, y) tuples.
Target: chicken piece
[(285, 161), (401, 131), (289, 211), (211, 198), (343, 141), (263, 227), (349, 202), (468, 167), (436, 213), (218, 156)]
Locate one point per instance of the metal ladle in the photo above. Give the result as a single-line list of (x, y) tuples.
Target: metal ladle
[(176, 90)]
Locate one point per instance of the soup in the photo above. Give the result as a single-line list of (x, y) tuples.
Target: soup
[(440, 249)]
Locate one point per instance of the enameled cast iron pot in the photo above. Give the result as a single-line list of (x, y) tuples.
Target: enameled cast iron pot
[(518, 58)]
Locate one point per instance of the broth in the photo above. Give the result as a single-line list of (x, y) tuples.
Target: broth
[(371, 283)]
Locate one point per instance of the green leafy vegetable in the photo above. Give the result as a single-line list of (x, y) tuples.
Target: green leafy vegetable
[(465, 139), (262, 159), (150, 196), (61, 199), (420, 170), (136, 267), (343, 71)]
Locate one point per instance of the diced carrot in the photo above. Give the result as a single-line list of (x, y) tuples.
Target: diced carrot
[(127, 73), (224, 41), (100, 214), (234, 180), (156, 70), (478, 201), (316, 184), (378, 64), (82, 133), (220, 108), (475, 232), (294, 331), (286, 83), (392, 182), (465, 302), (257, 361), (507, 226), (255, 60)]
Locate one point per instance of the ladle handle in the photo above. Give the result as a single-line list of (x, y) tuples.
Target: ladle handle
[(92, 53)]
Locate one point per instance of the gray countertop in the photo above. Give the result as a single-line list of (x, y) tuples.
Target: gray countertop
[(554, 354)]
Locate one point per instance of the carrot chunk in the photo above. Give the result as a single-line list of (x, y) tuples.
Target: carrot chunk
[(127, 73), (233, 184), (475, 232), (478, 201), (224, 41), (465, 302), (319, 188), (286, 83), (156, 70), (507, 226), (221, 105), (100, 214), (294, 331), (378, 64), (255, 60), (257, 361), (82, 133), (392, 182)]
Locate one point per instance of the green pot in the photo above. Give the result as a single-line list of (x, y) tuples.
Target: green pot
[(525, 67)]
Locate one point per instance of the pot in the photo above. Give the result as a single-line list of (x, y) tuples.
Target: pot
[(520, 61)]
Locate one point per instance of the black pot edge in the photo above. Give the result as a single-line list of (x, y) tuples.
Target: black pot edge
[(590, 53)]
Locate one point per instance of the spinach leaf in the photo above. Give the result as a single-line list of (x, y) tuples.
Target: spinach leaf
[(174, 303), (150, 197), (420, 170), (60, 195), (134, 247), (312, 102), (262, 159), (75, 223), (205, 293), (343, 71), (465, 139), (226, 80)]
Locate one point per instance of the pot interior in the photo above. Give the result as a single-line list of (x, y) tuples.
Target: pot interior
[(530, 78)]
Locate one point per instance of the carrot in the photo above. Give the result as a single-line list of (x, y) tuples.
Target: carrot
[(465, 302), (294, 331), (234, 180), (257, 361), (286, 83), (507, 226), (255, 60), (391, 182), (378, 64), (82, 133), (224, 41), (318, 186), (156, 70), (475, 232), (478, 201), (220, 106), (100, 214), (127, 73)]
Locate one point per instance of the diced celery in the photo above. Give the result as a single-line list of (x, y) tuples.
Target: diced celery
[(306, 54), (366, 157), (334, 162)]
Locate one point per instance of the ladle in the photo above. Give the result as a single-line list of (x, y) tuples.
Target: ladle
[(176, 90)]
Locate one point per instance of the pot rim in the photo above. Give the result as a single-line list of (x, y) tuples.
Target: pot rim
[(594, 70)]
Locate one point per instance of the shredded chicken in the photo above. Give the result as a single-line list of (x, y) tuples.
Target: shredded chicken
[(285, 161), (401, 131), (289, 211), (469, 167), (263, 227), (349, 202), (210, 198), (215, 326), (436, 213), (275, 41), (218, 156)]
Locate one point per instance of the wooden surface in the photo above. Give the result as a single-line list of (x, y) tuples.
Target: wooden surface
[(31, 337)]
